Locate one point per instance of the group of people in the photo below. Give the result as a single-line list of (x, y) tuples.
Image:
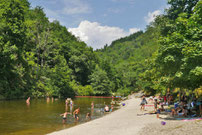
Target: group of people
[(185, 107), (69, 103), (158, 103), (76, 112)]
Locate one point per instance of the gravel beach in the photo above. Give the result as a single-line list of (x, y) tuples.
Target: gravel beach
[(129, 120)]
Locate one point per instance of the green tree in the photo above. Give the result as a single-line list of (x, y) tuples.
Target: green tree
[(12, 43), (179, 56), (100, 82)]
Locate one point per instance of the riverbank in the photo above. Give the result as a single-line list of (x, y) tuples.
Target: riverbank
[(123, 121), (129, 120)]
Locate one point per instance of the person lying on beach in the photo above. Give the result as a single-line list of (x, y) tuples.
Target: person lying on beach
[(88, 116), (106, 109), (76, 114), (64, 120)]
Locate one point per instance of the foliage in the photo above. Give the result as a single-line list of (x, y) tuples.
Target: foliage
[(100, 82), (41, 58)]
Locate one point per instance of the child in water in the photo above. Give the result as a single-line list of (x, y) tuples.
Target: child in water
[(76, 114), (92, 105), (106, 109), (88, 116), (64, 117)]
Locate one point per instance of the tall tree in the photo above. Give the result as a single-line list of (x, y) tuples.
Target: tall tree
[(12, 43)]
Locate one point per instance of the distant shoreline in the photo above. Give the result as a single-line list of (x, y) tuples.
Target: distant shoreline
[(97, 97)]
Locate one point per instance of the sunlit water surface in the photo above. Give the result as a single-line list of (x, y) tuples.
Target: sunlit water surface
[(42, 116)]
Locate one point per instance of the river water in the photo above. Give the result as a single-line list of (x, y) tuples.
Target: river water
[(43, 116)]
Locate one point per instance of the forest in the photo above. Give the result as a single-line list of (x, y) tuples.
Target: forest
[(39, 58)]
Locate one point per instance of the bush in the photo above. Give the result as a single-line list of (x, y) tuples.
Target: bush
[(123, 92)]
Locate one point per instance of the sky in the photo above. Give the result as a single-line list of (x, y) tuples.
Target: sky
[(99, 22)]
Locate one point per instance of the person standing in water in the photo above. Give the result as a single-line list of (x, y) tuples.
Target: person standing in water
[(92, 105), (66, 102), (28, 100), (64, 117), (52, 99), (48, 99), (71, 102), (76, 114)]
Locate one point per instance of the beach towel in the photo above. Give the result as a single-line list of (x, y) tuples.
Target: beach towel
[(189, 119)]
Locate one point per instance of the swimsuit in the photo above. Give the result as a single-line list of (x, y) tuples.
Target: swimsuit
[(76, 116)]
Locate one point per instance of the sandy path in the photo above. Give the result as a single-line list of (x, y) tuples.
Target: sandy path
[(121, 122)]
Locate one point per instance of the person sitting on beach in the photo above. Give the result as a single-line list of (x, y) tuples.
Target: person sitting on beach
[(179, 111), (76, 114), (144, 101), (106, 108), (88, 116), (64, 117)]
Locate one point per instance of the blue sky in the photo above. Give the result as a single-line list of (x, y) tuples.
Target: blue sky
[(99, 22)]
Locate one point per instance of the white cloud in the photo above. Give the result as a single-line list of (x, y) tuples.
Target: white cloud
[(51, 19), (152, 15), (133, 30), (96, 35), (75, 7)]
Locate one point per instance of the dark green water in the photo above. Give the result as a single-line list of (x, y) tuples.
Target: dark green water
[(41, 117)]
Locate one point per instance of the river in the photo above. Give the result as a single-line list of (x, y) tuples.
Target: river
[(43, 116)]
